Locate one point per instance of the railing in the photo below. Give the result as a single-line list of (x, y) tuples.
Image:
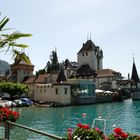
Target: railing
[(8, 126), (99, 123)]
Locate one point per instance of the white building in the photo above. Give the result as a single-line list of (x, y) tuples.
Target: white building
[(57, 93), (59, 90), (50, 88)]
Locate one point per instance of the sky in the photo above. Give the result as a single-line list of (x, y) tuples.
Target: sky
[(64, 25)]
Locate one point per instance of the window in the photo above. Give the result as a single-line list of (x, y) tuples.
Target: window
[(82, 54), (56, 91), (86, 53), (65, 91)]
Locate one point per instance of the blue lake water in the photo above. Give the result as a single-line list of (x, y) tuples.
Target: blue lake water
[(56, 120)]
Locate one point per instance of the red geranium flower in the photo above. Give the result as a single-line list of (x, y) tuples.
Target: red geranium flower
[(118, 130), (124, 135), (86, 126), (8, 114), (79, 125)]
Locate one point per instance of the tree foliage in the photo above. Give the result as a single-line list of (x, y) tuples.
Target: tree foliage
[(13, 88), (54, 65)]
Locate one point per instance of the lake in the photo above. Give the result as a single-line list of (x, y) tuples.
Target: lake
[(124, 114)]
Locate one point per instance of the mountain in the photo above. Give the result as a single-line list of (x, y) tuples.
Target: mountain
[(4, 67)]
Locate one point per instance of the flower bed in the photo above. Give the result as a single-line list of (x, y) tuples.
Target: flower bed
[(84, 132), (6, 114)]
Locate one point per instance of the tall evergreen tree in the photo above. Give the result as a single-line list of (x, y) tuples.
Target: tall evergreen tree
[(53, 66)]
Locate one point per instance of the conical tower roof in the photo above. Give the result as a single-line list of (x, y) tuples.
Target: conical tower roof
[(134, 75), (88, 46), (61, 76)]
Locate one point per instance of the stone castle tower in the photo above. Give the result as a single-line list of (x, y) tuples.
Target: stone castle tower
[(20, 69), (91, 55)]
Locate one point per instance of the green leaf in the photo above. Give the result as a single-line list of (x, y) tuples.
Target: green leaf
[(26, 59), (8, 40), (22, 56), (15, 36), (3, 43), (3, 22), (19, 45)]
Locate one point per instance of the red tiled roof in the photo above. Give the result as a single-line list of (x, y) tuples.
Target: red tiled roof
[(40, 78), (106, 73), (30, 80), (36, 79)]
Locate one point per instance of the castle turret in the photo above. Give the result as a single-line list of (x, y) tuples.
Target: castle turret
[(90, 54), (21, 69)]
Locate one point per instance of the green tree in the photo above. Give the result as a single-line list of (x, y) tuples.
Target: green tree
[(14, 89), (9, 40), (53, 66), (49, 69)]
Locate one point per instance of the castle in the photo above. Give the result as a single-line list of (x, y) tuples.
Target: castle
[(67, 83)]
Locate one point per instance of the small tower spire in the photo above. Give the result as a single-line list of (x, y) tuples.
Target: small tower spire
[(90, 35), (133, 58), (134, 75)]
